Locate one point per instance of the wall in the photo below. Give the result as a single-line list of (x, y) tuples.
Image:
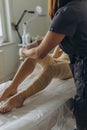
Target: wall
[(9, 61), (9, 58), (38, 26)]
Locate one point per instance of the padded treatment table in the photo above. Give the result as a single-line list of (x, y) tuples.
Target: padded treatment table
[(43, 110)]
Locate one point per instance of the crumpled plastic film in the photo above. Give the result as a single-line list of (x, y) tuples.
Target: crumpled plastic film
[(46, 110)]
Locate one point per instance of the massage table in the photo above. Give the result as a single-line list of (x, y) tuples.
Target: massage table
[(42, 111)]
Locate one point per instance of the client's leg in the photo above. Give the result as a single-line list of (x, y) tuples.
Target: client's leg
[(51, 68), (25, 69), (17, 100), (62, 70)]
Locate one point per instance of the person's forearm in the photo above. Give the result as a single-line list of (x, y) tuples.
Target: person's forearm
[(48, 43), (33, 44)]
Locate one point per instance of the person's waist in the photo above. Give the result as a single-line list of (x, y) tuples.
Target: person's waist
[(74, 58)]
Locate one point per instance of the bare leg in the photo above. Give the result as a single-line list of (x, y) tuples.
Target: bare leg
[(18, 99), (25, 69), (15, 101), (62, 70), (50, 71), (41, 83)]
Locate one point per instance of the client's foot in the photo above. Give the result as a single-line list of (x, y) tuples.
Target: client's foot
[(7, 93), (13, 102)]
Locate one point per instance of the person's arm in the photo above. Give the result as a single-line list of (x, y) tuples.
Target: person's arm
[(48, 43), (33, 44)]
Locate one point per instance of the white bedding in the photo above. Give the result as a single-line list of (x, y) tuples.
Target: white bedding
[(41, 111)]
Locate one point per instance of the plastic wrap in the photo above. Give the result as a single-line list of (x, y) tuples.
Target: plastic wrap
[(46, 110)]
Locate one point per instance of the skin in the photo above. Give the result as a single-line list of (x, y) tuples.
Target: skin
[(33, 55), (50, 41)]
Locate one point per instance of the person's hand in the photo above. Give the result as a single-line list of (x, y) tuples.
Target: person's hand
[(25, 52), (20, 52), (31, 53), (21, 55), (28, 50)]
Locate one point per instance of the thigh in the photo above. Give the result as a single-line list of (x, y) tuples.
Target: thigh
[(62, 70)]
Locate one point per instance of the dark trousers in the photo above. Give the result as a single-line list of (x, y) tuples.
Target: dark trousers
[(79, 69)]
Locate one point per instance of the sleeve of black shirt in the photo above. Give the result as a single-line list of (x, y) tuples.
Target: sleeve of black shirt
[(64, 22)]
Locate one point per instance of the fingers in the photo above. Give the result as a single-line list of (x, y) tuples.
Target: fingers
[(25, 52), (5, 108), (20, 52)]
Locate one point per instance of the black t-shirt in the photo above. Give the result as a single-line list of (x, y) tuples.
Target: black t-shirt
[(71, 20)]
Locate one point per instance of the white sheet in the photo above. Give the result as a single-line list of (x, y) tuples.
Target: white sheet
[(41, 111)]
